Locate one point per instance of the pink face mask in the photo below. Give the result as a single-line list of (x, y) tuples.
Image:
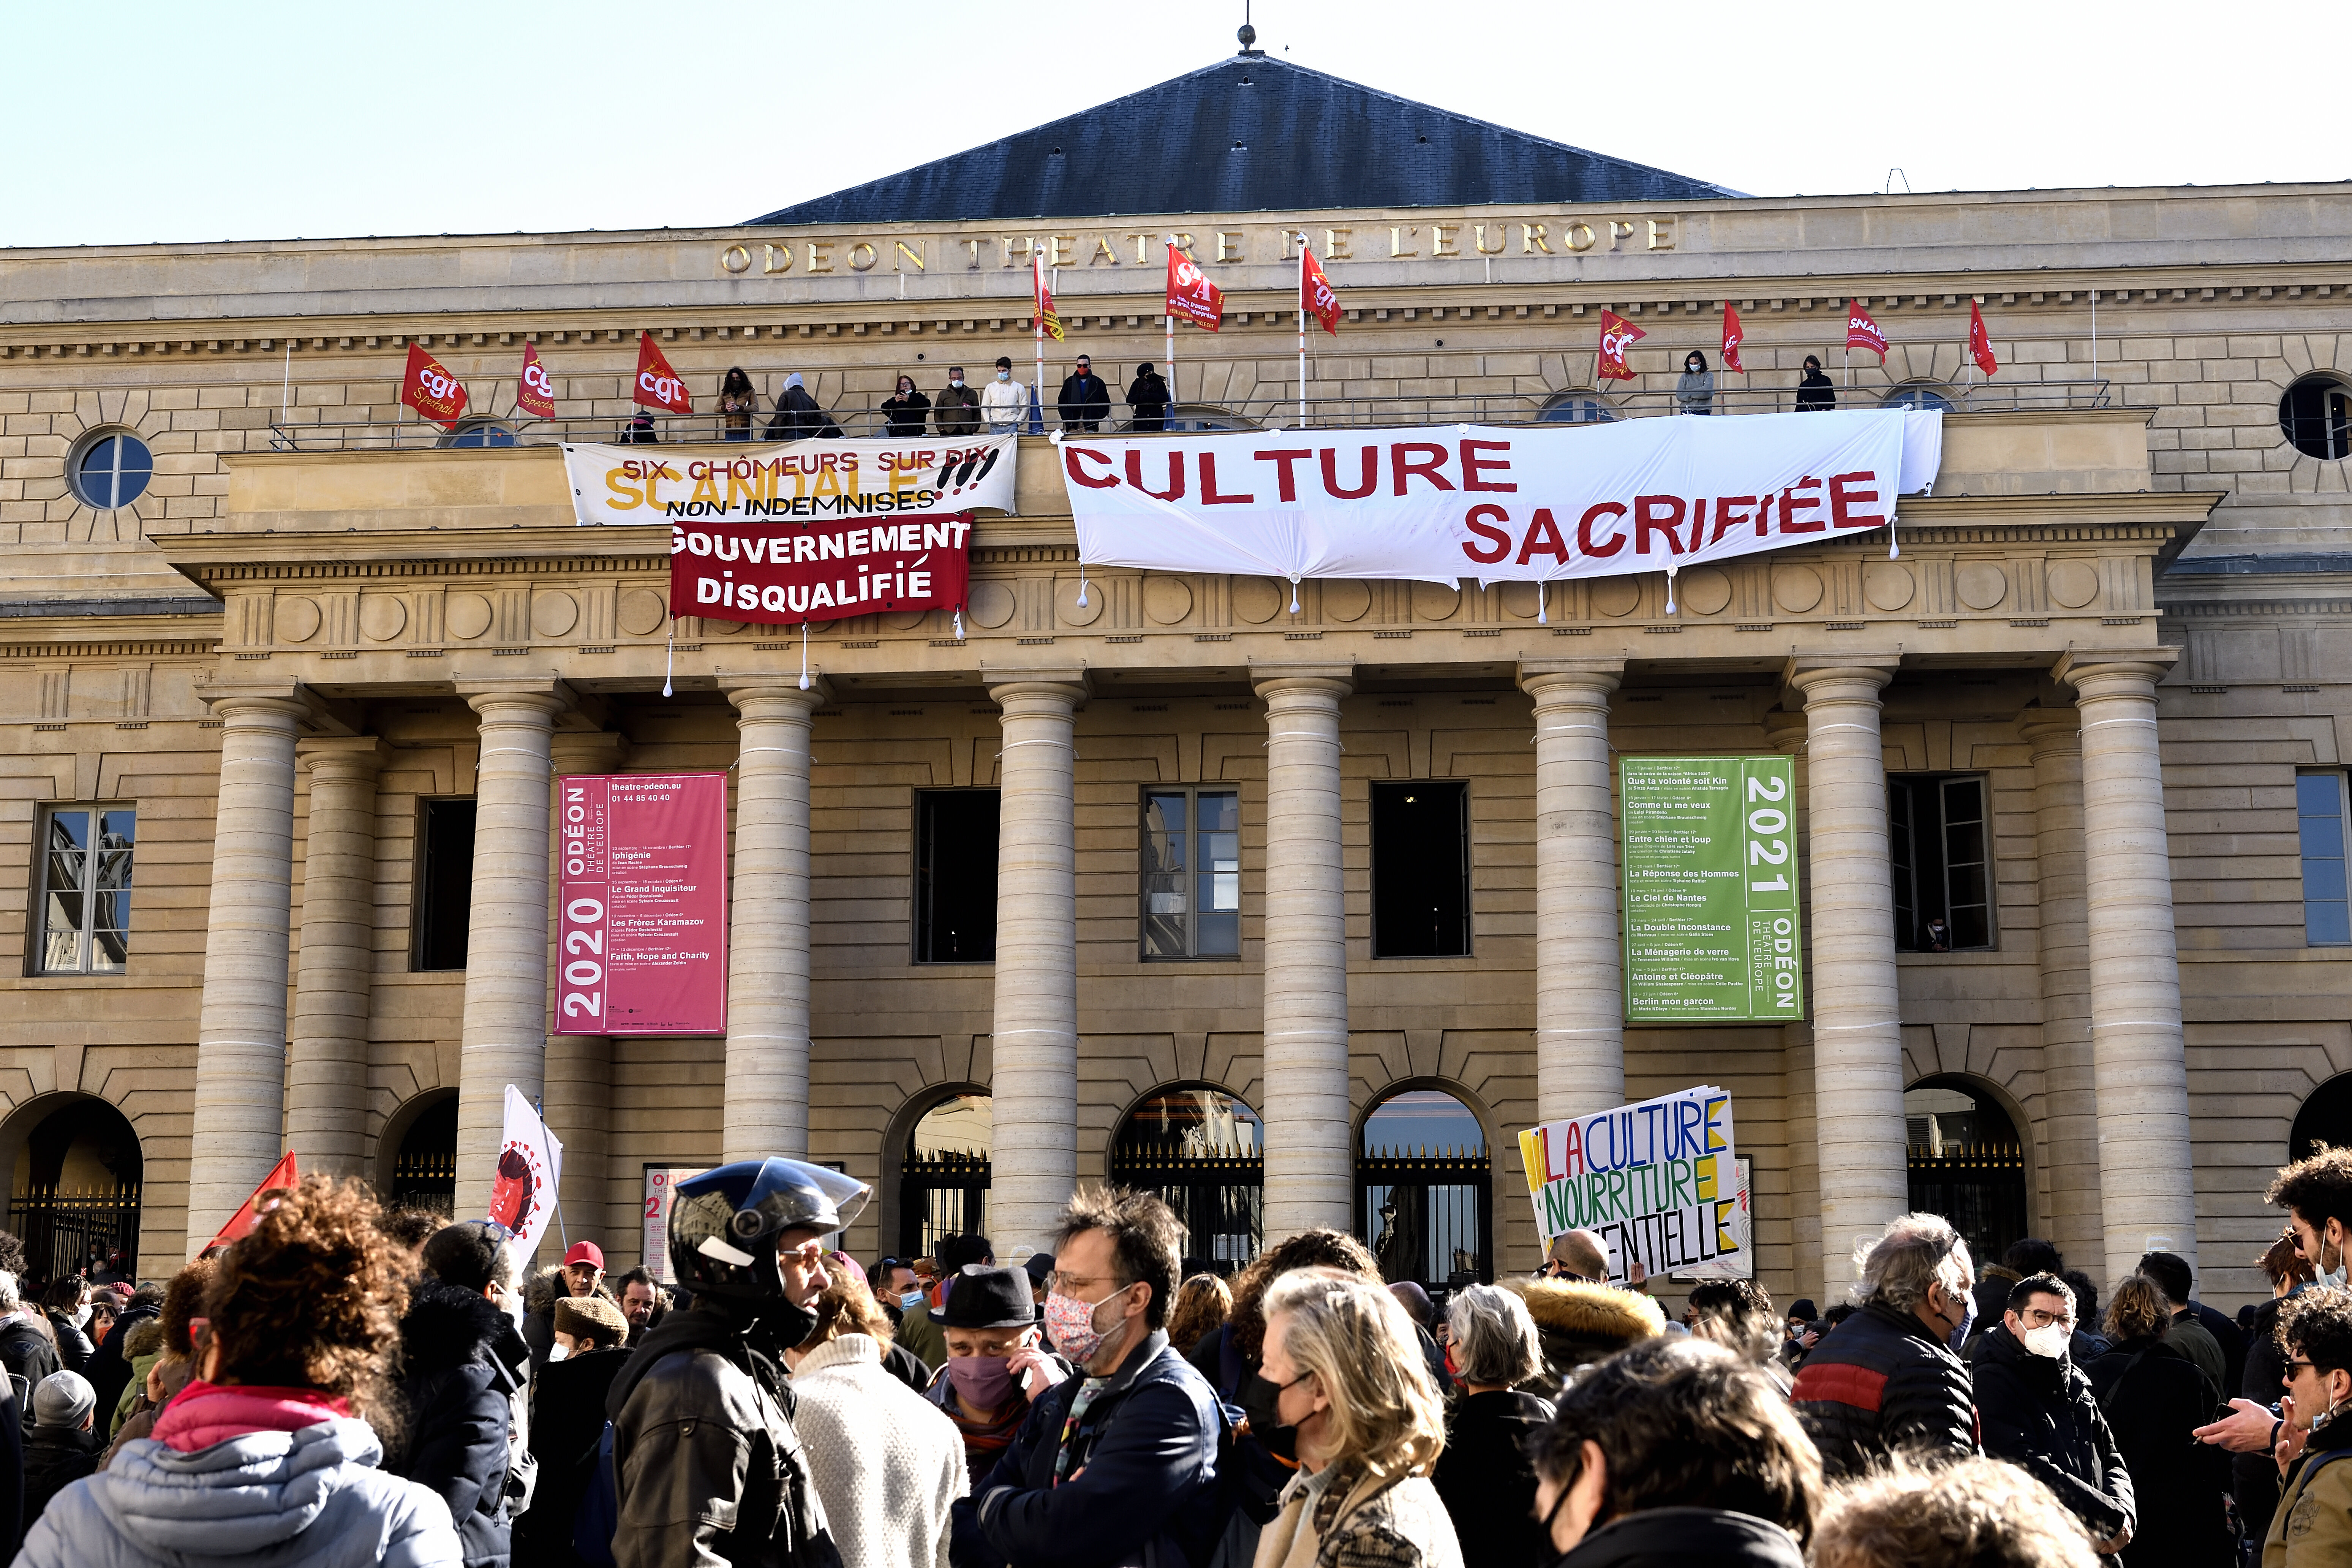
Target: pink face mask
[(984, 1380), (1070, 1323)]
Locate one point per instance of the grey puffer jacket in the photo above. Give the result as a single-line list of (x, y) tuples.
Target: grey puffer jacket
[(268, 1500)]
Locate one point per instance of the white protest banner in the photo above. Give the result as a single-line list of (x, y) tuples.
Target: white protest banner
[(530, 1163), (797, 482), (1653, 1180), (1494, 502), (1739, 1265)]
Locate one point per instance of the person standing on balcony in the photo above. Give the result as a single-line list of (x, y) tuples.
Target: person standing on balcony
[(1148, 395), (957, 412), (1084, 401), (1002, 401), (1695, 391), (737, 403), (1816, 394), (905, 411)]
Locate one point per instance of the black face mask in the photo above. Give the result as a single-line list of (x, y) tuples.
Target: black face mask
[(1261, 1403), (1552, 1556)]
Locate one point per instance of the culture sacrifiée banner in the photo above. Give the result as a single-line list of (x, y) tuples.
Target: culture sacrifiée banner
[(785, 574), (1653, 1180), (1499, 503), (813, 481), (641, 944), (1710, 856)]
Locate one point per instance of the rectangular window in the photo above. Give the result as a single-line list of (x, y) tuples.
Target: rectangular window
[(84, 927), (1191, 873), (1420, 869), (955, 876), (2319, 814), (1939, 850), (445, 883)]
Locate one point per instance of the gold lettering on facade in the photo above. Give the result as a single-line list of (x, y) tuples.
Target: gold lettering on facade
[(1184, 244), (1396, 240), (1662, 234), (1021, 256), (1228, 246), (1442, 242), (820, 255), (972, 245), (1532, 240), (1502, 240), (1336, 242), (1103, 252), (735, 259), (914, 253), (1057, 252), (1619, 230), (1141, 240), (1578, 238), (872, 255), (780, 259)]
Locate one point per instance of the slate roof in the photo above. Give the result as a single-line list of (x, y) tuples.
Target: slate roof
[(1247, 135)]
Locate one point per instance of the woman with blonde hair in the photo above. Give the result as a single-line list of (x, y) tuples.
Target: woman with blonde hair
[(1368, 1425), (2155, 1398)]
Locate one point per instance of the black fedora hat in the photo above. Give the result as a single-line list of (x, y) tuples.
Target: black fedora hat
[(987, 1298)]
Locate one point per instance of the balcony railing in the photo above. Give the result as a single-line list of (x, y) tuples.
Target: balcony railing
[(861, 415)]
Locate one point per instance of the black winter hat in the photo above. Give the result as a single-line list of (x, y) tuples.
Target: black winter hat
[(985, 1298)]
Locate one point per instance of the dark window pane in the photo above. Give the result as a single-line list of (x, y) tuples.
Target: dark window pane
[(1970, 928), (1220, 936), (445, 884), (1421, 863), (1220, 812), (955, 876), (2328, 922)]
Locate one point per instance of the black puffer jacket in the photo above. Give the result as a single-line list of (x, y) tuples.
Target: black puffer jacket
[(1684, 1538), (461, 1362), (109, 1370), (1881, 1383), (2155, 1396), (74, 1348), (25, 1352), (1486, 1480), (2042, 1416)]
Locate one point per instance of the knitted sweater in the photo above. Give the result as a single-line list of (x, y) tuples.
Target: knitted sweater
[(887, 1463)]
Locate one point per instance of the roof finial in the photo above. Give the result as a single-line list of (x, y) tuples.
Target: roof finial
[(1248, 35)]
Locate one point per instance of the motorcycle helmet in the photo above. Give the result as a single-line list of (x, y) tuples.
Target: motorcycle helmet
[(725, 1223)]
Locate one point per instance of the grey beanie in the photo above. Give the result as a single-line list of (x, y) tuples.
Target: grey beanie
[(62, 1399)]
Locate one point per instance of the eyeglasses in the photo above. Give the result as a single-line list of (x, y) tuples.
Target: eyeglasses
[(2293, 1366), (2036, 1318), (1063, 1284)]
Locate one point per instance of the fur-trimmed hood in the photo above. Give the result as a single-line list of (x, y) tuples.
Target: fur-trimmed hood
[(1579, 1322), (446, 1327)]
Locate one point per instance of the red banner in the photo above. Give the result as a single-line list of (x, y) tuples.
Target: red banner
[(1861, 332), (785, 574), (285, 1174), (1316, 295), (1981, 341), (1191, 295), (431, 390), (642, 941), (1617, 335), (658, 386), (1732, 338), (534, 393), (1045, 304)]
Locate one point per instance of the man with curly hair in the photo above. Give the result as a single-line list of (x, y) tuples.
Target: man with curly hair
[(2312, 1524)]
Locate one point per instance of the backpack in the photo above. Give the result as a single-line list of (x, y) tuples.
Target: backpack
[(592, 1527)]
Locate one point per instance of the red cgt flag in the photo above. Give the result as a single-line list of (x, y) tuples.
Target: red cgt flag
[(534, 393), (1617, 335), (281, 1175), (1862, 332), (1191, 294), (658, 386), (1316, 295), (431, 390), (1980, 342), (1732, 338)]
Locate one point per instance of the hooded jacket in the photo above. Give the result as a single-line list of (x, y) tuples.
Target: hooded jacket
[(2153, 1396), (55, 1457), (2040, 1415), (2313, 1526), (459, 1372), (1881, 1382), (25, 1352), (1580, 1321), (1686, 1537), (262, 1488)]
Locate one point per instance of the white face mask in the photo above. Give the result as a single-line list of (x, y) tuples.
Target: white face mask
[(2048, 1342), (81, 1314), (955, 381), (2330, 1279), (557, 1352)]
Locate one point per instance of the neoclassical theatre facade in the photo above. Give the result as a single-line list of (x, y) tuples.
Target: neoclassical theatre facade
[(284, 674)]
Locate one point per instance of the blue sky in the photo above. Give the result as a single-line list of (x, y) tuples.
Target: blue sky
[(265, 120)]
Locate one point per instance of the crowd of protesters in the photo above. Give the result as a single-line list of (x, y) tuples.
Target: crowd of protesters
[(348, 1385), (1001, 407)]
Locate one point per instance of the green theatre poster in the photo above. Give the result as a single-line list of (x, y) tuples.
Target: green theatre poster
[(1709, 848)]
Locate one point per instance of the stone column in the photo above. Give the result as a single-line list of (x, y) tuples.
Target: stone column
[(1309, 1126), (578, 1083), (505, 1031), (327, 1080), (2146, 1186), (1035, 1044), (2068, 1147), (768, 936), (1857, 1011), (1579, 973), (240, 1099)]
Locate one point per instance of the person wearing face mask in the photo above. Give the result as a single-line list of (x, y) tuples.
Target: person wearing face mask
[(2312, 1524), (2040, 1412), (2153, 1397), (996, 1362), (900, 1292), (1887, 1380), (905, 411), (1001, 402), (2316, 1193), (567, 1418), (1695, 388), (67, 1303), (709, 1466), (1675, 1453), (1485, 1476), (1117, 1466), (957, 410)]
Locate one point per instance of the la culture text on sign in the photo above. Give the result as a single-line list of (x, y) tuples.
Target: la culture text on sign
[(1712, 930), (1655, 1180), (641, 946)]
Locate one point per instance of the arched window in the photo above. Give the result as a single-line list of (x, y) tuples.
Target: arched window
[(2325, 1118), (1206, 417), (1423, 1196), (424, 1171), (944, 1175), (480, 433), (1203, 1151), (74, 1195), (1578, 407), (1921, 394), (1967, 1163)]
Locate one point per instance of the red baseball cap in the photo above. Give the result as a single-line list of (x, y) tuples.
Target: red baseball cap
[(586, 1252)]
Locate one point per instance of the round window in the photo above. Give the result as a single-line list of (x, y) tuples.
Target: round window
[(112, 470), (2315, 416)]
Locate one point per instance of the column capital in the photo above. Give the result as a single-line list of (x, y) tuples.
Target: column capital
[(542, 692), (2114, 672), (1826, 672), (1324, 678), (2049, 730), (341, 759), (744, 687), (1595, 677), (250, 699), (587, 751), (1052, 683)]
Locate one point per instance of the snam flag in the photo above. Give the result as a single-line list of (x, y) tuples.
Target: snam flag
[(1191, 294), (658, 386), (1316, 295), (1045, 312), (1732, 338), (431, 390), (534, 393), (1980, 342), (1861, 332), (1617, 335)]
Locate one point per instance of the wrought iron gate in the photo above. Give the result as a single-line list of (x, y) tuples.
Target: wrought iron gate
[(1201, 1152), (1428, 1217), (66, 1232), (942, 1193)]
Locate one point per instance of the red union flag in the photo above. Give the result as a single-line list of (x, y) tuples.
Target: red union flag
[(431, 390), (1861, 332), (284, 1173), (658, 386), (1316, 295), (1617, 335), (1732, 338), (1980, 342), (1191, 294), (534, 393), (1045, 312)]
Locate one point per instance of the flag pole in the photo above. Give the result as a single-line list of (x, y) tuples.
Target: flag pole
[(1037, 308), (539, 1109), (1169, 316)]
